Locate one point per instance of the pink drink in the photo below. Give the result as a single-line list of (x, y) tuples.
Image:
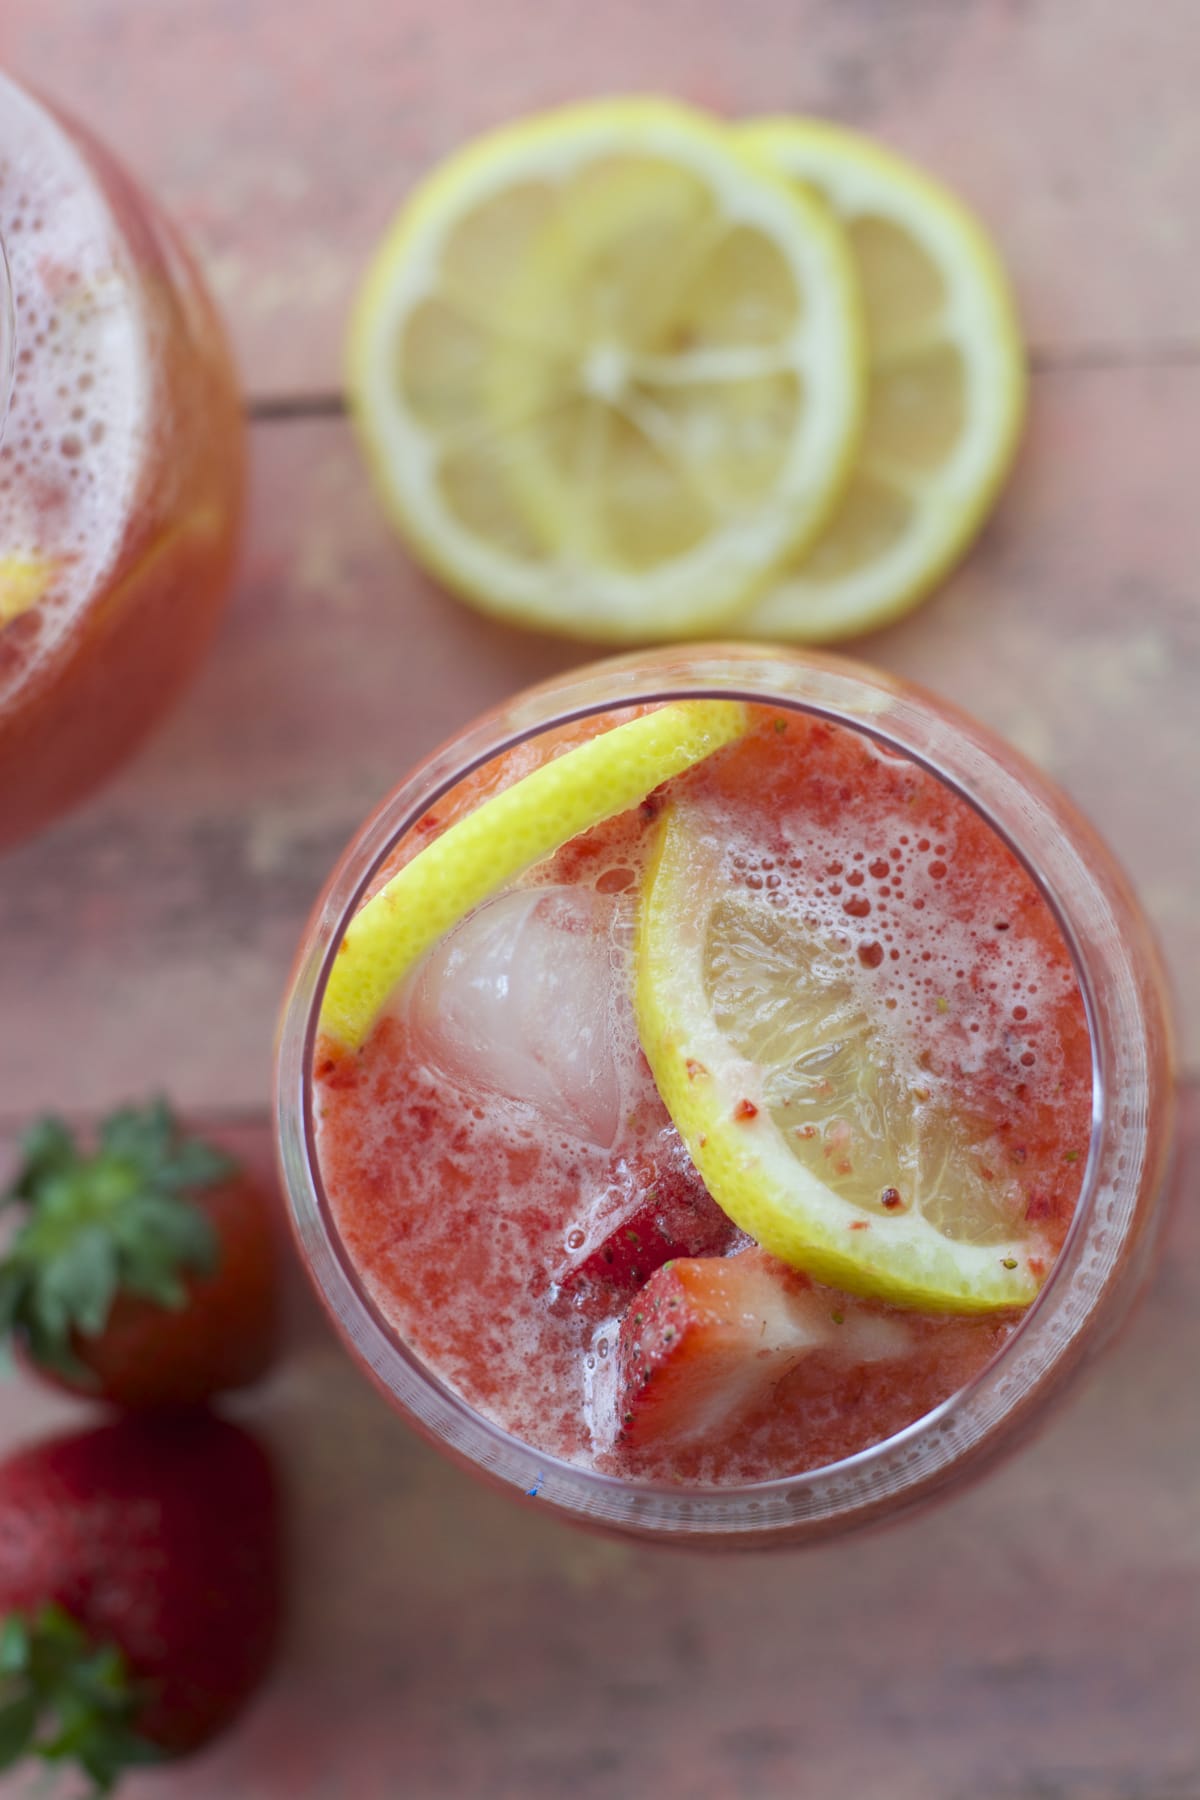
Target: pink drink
[(120, 466), (504, 1192)]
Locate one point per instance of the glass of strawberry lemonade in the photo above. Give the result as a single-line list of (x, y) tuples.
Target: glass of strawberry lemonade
[(121, 464), (724, 1095)]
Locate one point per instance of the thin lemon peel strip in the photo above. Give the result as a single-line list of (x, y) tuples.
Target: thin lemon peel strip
[(479, 854)]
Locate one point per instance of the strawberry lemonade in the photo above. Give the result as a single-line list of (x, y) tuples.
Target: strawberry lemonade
[(120, 464), (699, 1104)]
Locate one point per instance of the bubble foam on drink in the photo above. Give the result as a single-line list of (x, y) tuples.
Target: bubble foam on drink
[(937, 949), (465, 1160), (73, 446)]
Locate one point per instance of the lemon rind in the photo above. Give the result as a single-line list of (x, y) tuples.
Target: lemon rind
[(980, 319)]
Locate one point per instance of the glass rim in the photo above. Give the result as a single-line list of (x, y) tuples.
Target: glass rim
[(394, 818)]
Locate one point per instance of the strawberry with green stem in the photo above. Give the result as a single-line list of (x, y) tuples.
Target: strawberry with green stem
[(142, 1272), (140, 1590), (63, 1698)]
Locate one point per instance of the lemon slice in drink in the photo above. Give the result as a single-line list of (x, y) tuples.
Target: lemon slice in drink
[(804, 1131), (608, 371), (484, 850), (23, 581), (945, 393)]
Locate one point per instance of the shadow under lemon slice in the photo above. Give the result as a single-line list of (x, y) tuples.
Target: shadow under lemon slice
[(946, 386), (767, 1063), (484, 850)]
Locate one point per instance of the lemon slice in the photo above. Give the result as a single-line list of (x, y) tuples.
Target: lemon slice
[(945, 393), (608, 371), (23, 581), (480, 853), (779, 1082)]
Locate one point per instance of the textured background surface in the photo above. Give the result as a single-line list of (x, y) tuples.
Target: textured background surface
[(1036, 1639)]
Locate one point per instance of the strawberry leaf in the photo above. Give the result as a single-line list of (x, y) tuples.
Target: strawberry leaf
[(18, 1722), (63, 1698), (47, 1148), (118, 1220), (80, 1282), (14, 1644)]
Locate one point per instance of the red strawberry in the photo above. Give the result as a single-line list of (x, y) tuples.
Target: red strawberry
[(140, 1586), (708, 1339), (145, 1273), (669, 1212)]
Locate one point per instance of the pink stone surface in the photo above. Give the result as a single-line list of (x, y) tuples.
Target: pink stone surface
[(1035, 1639)]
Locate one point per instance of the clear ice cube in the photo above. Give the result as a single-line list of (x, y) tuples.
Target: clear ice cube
[(529, 998)]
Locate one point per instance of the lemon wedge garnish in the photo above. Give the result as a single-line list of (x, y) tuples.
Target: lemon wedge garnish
[(608, 371), (23, 581), (945, 393), (486, 849), (804, 1132)]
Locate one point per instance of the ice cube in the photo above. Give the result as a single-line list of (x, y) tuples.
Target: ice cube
[(530, 998)]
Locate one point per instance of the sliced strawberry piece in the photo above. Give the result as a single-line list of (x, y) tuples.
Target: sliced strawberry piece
[(668, 1212), (707, 1338)]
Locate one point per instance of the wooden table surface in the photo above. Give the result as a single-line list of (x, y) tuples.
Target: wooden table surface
[(1037, 1637)]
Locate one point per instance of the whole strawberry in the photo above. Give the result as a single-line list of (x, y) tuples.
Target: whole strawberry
[(140, 1590), (143, 1272)]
